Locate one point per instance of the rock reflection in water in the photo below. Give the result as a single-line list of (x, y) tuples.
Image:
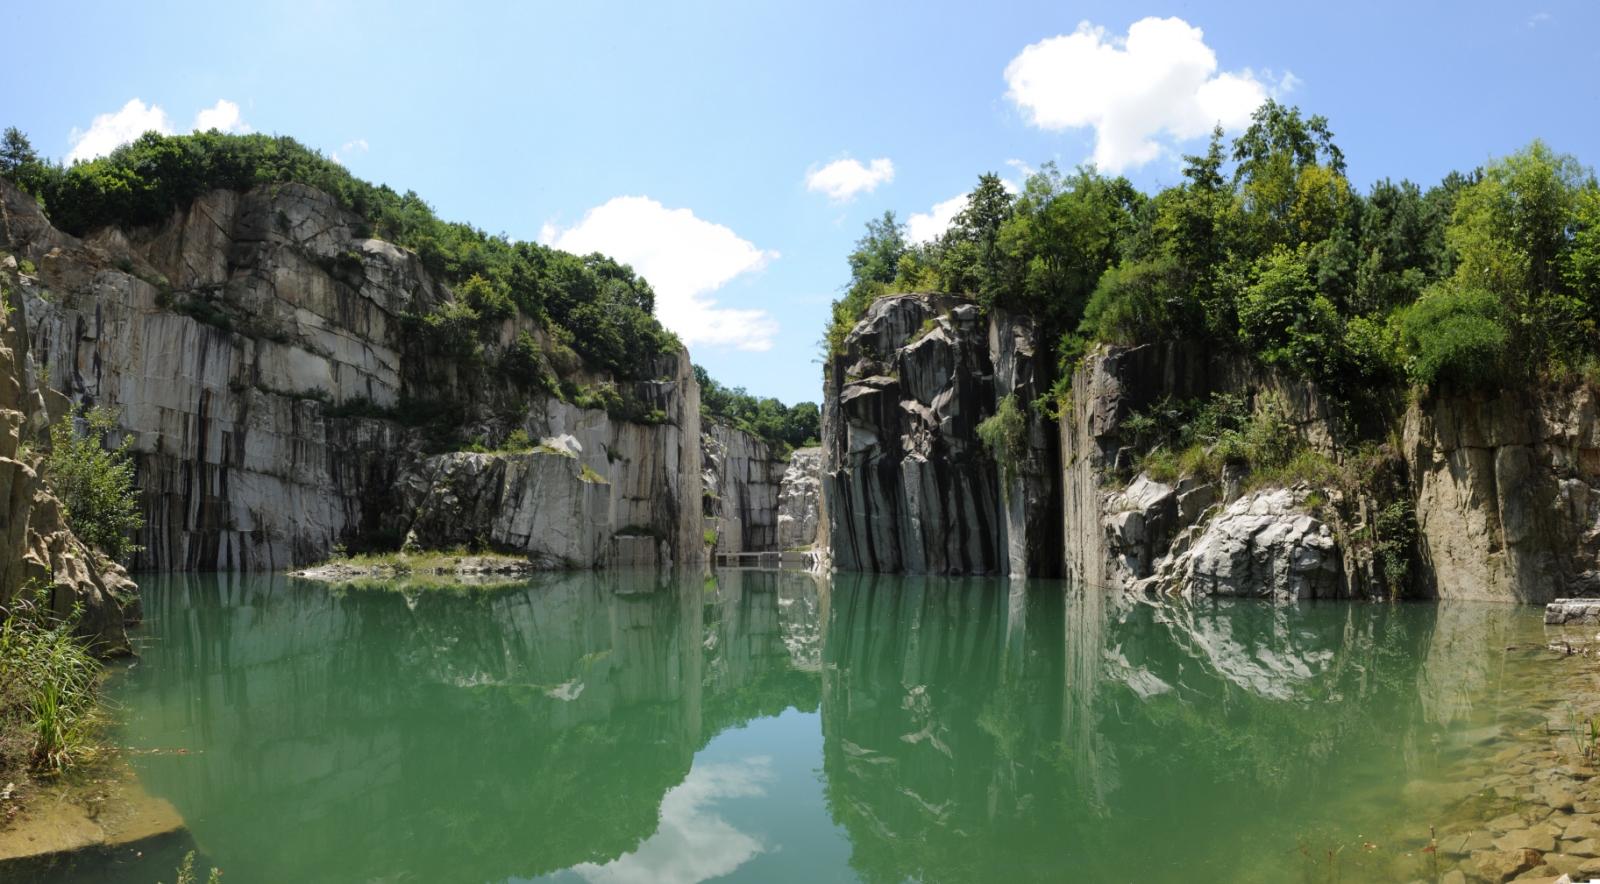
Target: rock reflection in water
[(966, 730)]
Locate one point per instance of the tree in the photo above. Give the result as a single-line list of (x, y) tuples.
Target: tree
[(16, 152), (95, 484)]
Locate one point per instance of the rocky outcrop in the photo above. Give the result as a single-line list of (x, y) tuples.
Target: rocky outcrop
[(37, 548), (742, 479), (1196, 536), (1263, 545), (800, 499), (255, 349), (1507, 494), (600, 493), (907, 484)]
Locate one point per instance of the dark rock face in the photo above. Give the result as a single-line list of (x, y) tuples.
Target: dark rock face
[(907, 484)]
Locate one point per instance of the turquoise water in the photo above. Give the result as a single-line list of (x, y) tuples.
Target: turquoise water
[(766, 726)]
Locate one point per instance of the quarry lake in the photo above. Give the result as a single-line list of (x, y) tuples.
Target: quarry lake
[(775, 726)]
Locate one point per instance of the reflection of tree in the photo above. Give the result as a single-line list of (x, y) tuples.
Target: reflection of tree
[(975, 733), (474, 736)]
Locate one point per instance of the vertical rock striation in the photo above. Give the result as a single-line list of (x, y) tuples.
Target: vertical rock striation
[(1507, 494), (907, 484), (742, 478), (37, 548), (255, 348), (800, 500)]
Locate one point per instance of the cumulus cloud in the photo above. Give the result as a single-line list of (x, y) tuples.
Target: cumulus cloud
[(925, 227), (223, 116), (843, 180), (1160, 81), (109, 131), (348, 150), (685, 258)]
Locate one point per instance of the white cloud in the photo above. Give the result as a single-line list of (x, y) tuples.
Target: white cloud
[(348, 150), (1539, 18), (693, 842), (684, 258), (110, 131), (1159, 80), (927, 226), (844, 179), (223, 116), (923, 227)]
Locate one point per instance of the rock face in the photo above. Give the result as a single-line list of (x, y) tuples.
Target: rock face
[(1507, 494), (1262, 545), (37, 549), (907, 484), (742, 478), (800, 499), (1192, 536), (245, 343)]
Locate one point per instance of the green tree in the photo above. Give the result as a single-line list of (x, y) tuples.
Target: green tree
[(95, 484)]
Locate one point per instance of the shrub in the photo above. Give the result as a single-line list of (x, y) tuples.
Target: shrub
[(94, 484), (1454, 336), (1286, 321), (48, 680), (1134, 303), (1005, 434)]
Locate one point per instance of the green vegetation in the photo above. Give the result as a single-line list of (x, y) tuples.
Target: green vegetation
[(48, 690), (784, 427), (95, 484), (186, 874), (1488, 279), (1005, 434)]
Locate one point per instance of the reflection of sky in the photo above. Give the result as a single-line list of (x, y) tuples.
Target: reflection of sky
[(693, 843), (750, 809)]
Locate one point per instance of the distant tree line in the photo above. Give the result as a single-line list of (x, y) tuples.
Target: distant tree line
[(786, 427)]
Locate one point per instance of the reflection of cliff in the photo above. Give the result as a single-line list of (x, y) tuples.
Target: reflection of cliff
[(975, 733), (509, 733)]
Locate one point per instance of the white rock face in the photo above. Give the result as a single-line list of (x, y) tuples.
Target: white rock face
[(230, 338), (800, 499), (1263, 545), (741, 475)]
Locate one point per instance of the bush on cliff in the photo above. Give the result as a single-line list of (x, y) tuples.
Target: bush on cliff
[(95, 484), (48, 687)]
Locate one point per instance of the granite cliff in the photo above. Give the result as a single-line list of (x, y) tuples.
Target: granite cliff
[(255, 346)]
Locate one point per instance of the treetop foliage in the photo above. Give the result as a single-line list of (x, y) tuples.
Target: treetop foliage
[(1490, 277)]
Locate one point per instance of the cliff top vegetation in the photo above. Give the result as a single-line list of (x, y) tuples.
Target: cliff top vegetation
[(1488, 278)]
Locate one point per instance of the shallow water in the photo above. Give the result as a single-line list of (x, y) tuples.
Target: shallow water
[(770, 727)]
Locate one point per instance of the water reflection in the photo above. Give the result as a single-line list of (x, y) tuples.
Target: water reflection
[(962, 730)]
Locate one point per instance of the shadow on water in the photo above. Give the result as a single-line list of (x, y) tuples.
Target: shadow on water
[(965, 730)]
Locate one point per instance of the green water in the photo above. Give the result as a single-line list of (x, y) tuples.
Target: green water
[(771, 727)]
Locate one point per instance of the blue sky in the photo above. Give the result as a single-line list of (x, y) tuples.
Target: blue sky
[(682, 136)]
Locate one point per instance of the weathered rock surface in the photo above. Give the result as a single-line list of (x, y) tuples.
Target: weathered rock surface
[(37, 548), (1263, 545), (800, 499), (1562, 611), (1508, 494), (241, 340), (1155, 536), (742, 479), (907, 484)]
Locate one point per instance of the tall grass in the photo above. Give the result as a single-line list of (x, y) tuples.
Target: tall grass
[(48, 685)]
